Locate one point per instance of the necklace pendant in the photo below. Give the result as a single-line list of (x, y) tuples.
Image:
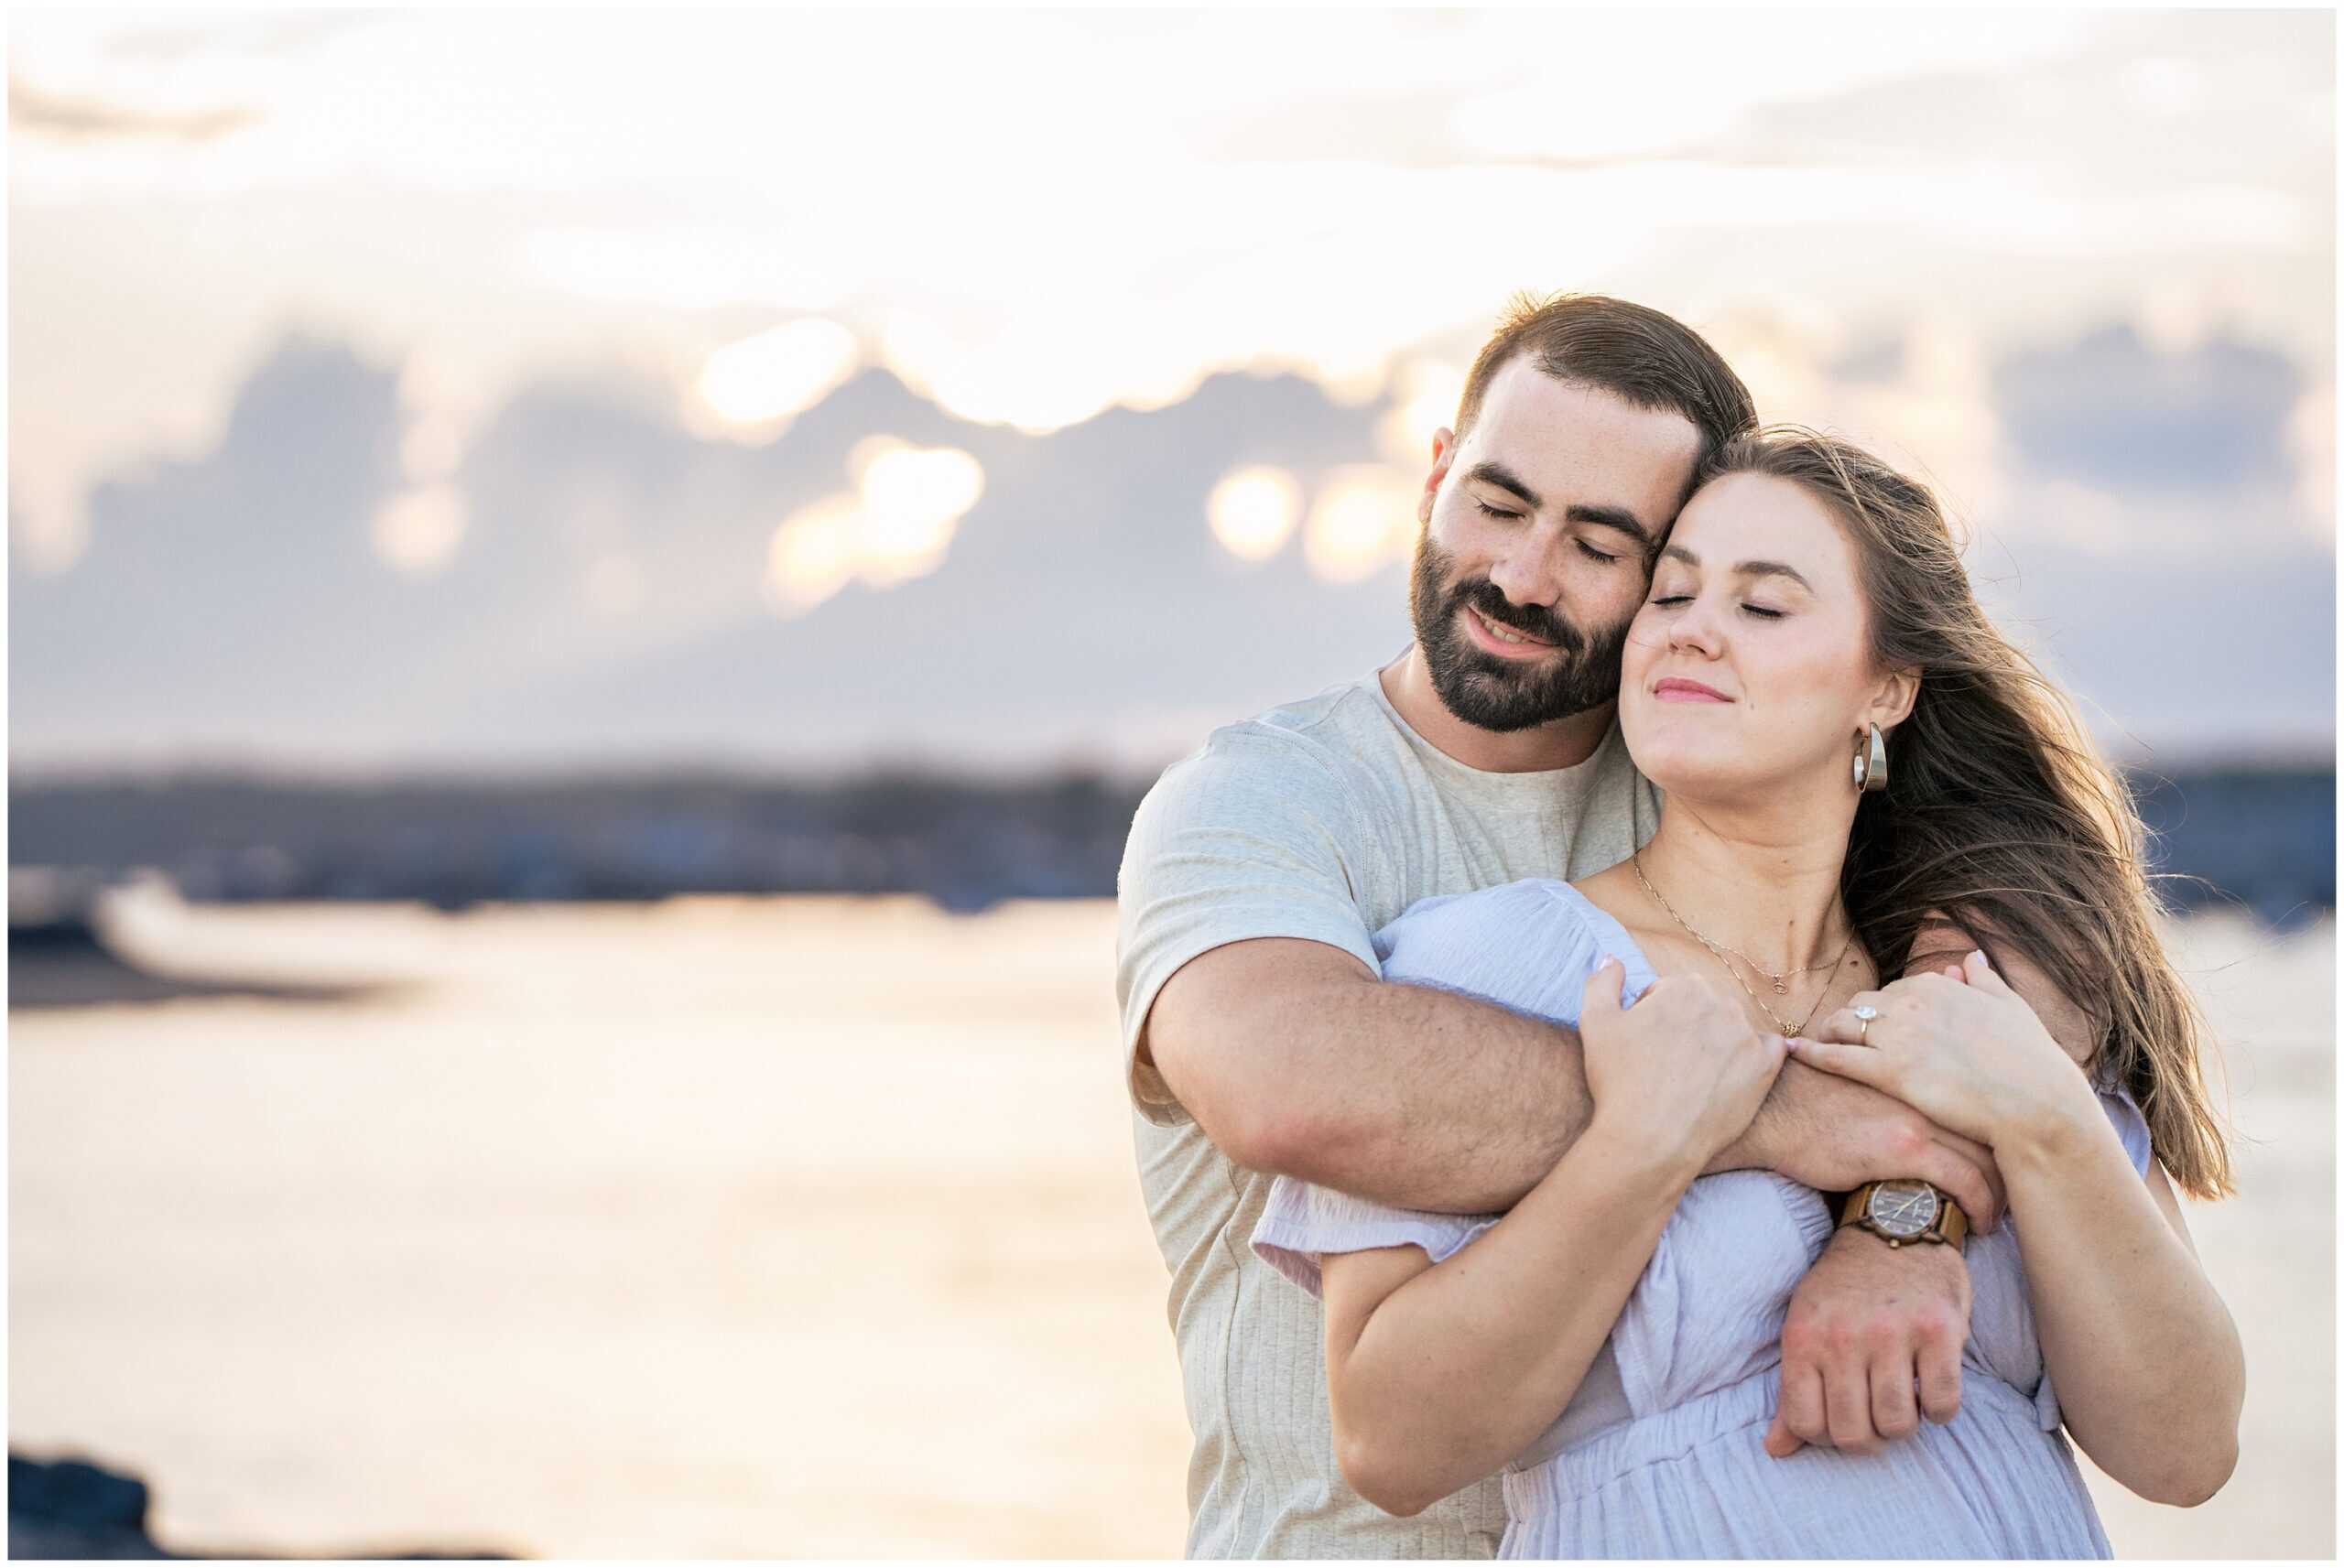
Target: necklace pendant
[(1788, 1033), (1780, 988)]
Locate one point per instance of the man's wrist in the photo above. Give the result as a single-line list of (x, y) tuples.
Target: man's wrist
[(1748, 1151), (1946, 1231)]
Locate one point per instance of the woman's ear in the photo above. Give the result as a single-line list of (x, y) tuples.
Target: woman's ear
[(1892, 700)]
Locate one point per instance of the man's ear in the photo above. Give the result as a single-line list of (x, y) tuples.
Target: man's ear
[(1444, 453), (1892, 700)]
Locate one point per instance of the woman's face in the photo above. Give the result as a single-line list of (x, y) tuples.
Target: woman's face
[(1748, 667)]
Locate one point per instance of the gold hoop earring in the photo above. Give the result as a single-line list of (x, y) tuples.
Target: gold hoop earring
[(1872, 761)]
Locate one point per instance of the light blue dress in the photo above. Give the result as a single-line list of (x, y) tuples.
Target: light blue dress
[(1658, 1454)]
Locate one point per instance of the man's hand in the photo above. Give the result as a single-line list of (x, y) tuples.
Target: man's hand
[(1813, 1130), (1867, 1323)]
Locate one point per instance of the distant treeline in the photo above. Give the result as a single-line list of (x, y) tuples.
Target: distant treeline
[(2261, 839)]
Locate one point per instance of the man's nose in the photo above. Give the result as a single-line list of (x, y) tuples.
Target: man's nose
[(1530, 574)]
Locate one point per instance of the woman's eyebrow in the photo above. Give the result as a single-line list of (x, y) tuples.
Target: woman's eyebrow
[(1747, 568), (1773, 569)]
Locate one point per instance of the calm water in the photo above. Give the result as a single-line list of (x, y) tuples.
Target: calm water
[(761, 1227)]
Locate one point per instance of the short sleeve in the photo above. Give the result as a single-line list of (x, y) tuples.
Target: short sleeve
[(1304, 1222), (2132, 1129), (1254, 835), (1528, 945)]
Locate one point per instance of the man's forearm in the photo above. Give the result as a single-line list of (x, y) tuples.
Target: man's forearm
[(1454, 1104)]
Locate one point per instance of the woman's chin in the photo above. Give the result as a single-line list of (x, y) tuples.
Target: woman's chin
[(1695, 771)]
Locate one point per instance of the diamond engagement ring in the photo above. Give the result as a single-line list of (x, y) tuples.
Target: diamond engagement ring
[(1864, 1016)]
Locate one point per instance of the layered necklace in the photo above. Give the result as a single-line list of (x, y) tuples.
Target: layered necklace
[(1718, 950)]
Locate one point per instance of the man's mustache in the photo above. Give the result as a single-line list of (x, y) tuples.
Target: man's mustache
[(1527, 619)]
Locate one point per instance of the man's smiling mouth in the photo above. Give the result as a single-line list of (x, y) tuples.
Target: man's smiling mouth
[(1505, 633)]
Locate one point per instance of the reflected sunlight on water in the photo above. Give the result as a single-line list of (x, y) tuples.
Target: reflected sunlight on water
[(761, 1227)]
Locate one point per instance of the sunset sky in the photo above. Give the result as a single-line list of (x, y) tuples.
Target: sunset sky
[(2078, 267)]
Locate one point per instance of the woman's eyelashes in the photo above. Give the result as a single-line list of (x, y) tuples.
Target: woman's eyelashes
[(1665, 600)]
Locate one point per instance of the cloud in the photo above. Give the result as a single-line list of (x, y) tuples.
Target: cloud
[(64, 117), (605, 595), (264, 36), (2113, 412)]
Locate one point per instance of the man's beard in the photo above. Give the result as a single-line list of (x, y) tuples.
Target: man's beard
[(1498, 694)]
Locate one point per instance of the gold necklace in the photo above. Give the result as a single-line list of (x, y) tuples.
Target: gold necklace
[(1719, 951), (1777, 977)]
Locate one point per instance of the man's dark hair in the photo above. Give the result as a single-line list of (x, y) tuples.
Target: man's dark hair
[(1650, 360)]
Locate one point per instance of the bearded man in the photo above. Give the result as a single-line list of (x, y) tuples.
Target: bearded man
[(1259, 1039)]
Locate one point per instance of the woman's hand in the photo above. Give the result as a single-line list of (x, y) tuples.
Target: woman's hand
[(1960, 1048), (1682, 1072)]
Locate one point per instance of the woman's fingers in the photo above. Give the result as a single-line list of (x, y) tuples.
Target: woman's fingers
[(1602, 994), (1981, 974), (1862, 1063), (1953, 1164)]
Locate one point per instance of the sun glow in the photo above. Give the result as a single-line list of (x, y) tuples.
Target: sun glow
[(1254, 510), (1365, 518), (417, 531), (756, 387), (896, 525)]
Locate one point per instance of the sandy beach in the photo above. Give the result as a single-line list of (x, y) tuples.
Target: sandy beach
[(763, 1227)]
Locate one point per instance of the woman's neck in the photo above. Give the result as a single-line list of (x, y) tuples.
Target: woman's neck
[(1767, 886)]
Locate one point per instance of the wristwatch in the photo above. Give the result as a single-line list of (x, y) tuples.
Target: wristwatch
[(1906, 1211)]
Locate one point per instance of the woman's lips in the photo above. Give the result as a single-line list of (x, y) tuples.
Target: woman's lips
[(1479, 625), (1675, 691)]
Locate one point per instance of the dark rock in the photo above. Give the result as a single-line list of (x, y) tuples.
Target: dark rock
[(68, 1509)]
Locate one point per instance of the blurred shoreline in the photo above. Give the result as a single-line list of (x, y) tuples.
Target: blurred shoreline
[(2259, 837)]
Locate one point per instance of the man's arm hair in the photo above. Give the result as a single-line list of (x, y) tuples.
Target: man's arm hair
[(1296, 1058)]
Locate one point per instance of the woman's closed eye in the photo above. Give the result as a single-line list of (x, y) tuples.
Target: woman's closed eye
[(1667, 601)]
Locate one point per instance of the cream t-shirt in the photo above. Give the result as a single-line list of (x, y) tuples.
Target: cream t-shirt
[(1322, 819)]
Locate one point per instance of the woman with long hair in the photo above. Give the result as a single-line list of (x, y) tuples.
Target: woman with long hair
[(1857, 767)]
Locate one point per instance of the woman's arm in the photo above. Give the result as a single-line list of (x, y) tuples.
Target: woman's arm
[(2142, 1353), (1438, 1374)]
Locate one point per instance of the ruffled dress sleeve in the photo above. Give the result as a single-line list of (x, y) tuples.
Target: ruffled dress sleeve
[(1527, 946), (1304, 1222)]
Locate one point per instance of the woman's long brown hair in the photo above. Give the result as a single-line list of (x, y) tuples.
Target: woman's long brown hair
[(1999, 813)]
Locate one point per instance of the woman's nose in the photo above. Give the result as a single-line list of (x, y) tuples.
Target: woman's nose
[(1695, 629)]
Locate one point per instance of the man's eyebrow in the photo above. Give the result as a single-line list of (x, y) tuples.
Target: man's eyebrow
[(1490, 472), (1505, 478), (1617, 517), (1747, 568)]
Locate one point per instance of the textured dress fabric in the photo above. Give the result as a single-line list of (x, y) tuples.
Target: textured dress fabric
[(1659, 1453)]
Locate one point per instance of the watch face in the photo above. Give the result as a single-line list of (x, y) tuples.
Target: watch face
[(1902, 1209)]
